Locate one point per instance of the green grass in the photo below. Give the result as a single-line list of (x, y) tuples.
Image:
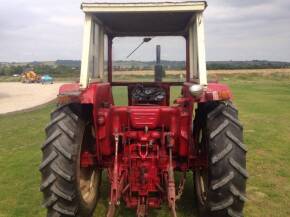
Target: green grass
[(9, 79), (264, 106)]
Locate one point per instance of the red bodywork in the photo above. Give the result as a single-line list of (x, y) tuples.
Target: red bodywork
[(142, 145)]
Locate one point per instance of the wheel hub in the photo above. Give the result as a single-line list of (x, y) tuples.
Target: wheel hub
[(88, 183)]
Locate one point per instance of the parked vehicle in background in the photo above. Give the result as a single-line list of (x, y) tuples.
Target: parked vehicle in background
[(46, 79), (30, 76)]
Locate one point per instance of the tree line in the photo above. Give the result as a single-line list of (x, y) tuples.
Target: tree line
[(54, 70), (66, 68)]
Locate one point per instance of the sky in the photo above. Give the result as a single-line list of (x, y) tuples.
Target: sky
[(235, 30)]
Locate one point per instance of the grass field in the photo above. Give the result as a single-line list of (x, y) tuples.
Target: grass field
[(264, 104)]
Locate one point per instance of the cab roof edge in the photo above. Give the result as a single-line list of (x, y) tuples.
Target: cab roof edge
[(143, 6)]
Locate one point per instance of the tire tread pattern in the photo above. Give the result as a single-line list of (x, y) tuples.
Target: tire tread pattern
[(60, 148), (227, 160)]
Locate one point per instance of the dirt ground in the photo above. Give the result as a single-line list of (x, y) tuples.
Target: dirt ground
[(16, 96)]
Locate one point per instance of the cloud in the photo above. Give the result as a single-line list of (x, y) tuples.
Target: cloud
[(40, 30), (52, 29), (248, 30), (71, 21)]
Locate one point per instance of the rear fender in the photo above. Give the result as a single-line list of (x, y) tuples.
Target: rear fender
[(95, 94), (212, 92), (98, 97)]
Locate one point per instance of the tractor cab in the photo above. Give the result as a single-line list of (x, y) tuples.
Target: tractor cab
[(143, 145), (105, 22)]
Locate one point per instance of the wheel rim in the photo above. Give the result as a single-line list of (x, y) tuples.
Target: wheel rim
[(89, 177), (201, 185), (201, 175)]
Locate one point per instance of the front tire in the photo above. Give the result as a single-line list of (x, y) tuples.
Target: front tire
[(220, 188), (68, 188)]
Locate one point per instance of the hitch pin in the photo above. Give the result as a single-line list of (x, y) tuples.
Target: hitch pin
[(143, 155)]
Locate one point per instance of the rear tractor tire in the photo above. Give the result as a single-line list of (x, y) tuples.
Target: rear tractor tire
[(220, 188), (68, 188)]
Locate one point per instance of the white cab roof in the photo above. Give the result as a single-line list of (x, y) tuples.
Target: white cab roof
[(131, 18)]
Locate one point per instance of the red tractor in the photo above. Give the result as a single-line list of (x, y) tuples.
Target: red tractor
[(143, 145)]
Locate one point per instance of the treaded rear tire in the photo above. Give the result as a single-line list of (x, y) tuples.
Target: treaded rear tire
[(60, 167), (225, 182)]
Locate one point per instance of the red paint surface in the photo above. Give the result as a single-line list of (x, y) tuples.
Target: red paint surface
[(144, 134)]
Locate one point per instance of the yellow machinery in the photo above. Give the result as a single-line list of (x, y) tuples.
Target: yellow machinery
[(30, 77)]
